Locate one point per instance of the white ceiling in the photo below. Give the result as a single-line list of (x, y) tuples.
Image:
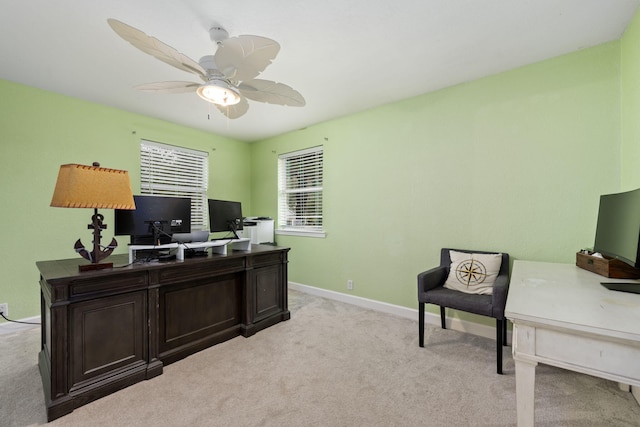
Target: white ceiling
[(343, 56)]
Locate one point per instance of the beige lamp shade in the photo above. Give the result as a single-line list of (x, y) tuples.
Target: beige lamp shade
[(81, 186)]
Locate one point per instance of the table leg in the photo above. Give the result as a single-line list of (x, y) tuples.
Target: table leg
[(525, 388)]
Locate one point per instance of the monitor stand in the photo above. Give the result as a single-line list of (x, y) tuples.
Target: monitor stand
[(134, 248), (217, 247), (241, 244)]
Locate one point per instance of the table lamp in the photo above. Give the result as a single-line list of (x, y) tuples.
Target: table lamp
[(81, 186)]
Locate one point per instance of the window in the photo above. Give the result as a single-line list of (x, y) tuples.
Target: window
[(300, 192), (167, 170)]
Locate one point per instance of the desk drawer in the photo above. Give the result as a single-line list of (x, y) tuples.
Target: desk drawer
[(266, 259), (90, 286), (201, 270), (589, 354)]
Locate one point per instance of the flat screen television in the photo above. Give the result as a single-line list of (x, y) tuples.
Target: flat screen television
[(225, 216), (618, 227), (154, 220)]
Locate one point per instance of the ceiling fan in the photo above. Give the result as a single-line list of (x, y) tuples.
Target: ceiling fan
[(229, 75)]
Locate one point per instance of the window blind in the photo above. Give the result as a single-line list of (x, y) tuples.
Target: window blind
[(300, 175), (168, 170)]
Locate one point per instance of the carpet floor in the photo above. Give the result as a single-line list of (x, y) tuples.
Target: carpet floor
[(331, 364)]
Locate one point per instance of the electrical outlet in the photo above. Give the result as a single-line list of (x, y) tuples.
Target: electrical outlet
[(350, 284), (4, 309)]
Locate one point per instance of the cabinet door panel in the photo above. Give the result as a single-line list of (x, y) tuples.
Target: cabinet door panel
[(107, 334), (268, 291), (198, 310)]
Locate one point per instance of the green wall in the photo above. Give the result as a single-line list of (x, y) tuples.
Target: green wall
[(39, 131), (514, 162), (630, 84)]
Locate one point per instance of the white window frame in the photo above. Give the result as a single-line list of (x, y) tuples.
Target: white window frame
[(292, 221), (172, 171)]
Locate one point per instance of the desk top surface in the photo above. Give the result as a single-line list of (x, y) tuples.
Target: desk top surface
[(566, 296), (68, 268)]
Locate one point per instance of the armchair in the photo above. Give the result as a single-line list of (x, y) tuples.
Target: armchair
[(431, 291)]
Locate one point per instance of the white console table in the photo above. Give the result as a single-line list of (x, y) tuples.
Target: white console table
[(563, 316)]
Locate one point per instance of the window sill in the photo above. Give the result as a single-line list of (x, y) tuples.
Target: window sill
[(318, 234)]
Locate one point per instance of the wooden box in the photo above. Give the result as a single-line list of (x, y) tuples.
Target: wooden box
[(607, 267)]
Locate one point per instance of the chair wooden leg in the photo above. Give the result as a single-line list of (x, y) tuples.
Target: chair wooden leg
[(499, 332), (442, 318), (504, 334), (421, 324)]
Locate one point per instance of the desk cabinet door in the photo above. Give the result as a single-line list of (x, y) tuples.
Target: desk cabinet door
[(198, 310), (107, 336), (268, 291)]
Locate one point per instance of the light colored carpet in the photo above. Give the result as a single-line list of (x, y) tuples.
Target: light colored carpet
[(332, 364)]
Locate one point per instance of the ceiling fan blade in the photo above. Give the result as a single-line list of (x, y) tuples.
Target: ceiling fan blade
[(244, 57), (169, 87), (156, 48), (271, 92), (234, 111)]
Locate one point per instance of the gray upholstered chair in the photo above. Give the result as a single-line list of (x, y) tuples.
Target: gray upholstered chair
[(431, 291)]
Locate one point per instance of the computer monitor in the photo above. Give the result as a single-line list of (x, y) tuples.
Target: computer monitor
[(225, 215), (155, 219), (618, 227)]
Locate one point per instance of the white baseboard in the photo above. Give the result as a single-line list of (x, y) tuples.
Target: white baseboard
[(397, 310), (12, 327)]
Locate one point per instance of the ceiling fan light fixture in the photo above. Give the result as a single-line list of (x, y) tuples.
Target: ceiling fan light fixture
[(219, 92)]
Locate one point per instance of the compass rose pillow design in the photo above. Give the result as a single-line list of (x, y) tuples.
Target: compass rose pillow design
[(473, 273)]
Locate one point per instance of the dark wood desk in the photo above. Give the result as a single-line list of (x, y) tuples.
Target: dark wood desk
[(107, 329)]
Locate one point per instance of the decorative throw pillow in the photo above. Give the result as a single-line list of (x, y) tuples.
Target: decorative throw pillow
[(473, 273)]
